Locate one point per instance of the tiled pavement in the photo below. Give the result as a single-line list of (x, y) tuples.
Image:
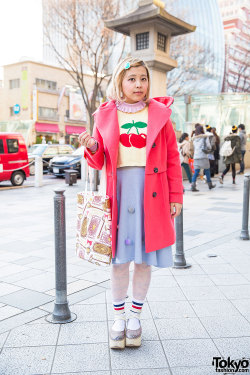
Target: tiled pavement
[(189, 317)]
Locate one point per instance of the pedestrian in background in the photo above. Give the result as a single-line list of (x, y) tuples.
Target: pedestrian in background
[(202, 146), (125, 127), (185, 154), (211, 156), (235, 156), (243, 146), (217, 151)]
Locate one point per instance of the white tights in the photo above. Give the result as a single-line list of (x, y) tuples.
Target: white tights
[(120, 281)]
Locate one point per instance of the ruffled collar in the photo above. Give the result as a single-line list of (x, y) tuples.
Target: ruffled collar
[(130, 108)]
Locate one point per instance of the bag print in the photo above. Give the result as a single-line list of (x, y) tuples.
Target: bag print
[(226, 149), (94, 238), (191, 164)]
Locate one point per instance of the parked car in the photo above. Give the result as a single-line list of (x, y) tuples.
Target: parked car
[(13, 158), (59, 163), (47, 152)]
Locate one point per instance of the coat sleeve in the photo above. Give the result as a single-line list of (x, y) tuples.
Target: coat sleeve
[(95, 160), (174, 172), (187, 150), (238, 147)]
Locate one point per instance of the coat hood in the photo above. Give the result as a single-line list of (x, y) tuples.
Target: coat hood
[(231, 136), (202, 136), (167, 100)]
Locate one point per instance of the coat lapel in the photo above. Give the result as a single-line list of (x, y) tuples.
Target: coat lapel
[(158, 115), (107, 123)]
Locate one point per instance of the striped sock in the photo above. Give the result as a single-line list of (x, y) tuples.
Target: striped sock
[(136, 309), (119, 315)]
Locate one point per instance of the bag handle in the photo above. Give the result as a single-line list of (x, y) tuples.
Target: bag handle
[(103, 180)]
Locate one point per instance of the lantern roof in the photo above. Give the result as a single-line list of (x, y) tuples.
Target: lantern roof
[(150, 11)]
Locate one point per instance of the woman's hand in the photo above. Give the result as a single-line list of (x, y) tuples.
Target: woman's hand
[(86, 140), (175, 209)]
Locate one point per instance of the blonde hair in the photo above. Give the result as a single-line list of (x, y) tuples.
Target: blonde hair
[(114, 91)]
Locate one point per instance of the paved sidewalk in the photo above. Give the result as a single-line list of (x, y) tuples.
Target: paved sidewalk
[(189, 317)]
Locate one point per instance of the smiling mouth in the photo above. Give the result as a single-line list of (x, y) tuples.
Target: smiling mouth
[(138, 92)]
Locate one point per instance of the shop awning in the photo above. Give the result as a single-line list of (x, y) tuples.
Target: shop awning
[(43, 127), (71, 129)]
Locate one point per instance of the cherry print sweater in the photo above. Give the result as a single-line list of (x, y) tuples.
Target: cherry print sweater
[(133, 136)]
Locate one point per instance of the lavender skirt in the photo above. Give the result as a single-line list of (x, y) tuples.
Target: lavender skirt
[(130, 244)]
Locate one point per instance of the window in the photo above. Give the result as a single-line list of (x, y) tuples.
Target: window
[(142, 41), (12, 145), (161, 42), (1, 147), (14, 83), (45, 84), (47, 112)]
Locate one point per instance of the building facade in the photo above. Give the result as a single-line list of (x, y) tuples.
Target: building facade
[(236, 22), (201, 57), (42, 101)]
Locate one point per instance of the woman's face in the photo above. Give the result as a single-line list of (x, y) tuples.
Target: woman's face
[(135, 84), (187, 138)]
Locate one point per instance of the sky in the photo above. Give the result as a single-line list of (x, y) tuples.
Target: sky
[(20, 31)]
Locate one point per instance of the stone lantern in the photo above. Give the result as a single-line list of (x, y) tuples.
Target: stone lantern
[(150, 29)]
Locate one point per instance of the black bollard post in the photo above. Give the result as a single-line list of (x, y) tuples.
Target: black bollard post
[(179, 259), (61, 313), (245, 214)]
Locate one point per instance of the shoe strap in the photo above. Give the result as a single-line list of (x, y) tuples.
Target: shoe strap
[(131, 316), (118, 317)]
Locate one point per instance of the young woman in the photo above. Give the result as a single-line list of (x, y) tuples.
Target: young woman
[(186, 153), (144, 182), (236, 155), (201, 142)]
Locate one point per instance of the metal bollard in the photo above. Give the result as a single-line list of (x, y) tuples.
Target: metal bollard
[(245, 214), (38, 171), (61, 313), (179, 259)]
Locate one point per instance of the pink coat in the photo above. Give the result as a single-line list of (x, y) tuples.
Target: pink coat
[(163, 176)]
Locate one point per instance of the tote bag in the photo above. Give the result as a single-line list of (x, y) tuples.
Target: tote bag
[(93, 237)]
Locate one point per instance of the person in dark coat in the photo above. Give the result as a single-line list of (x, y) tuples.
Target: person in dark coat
[(217, 151), (243, 144), (211, 156), (235, 157)]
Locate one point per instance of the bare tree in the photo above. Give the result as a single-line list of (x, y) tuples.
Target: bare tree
[(85, 45), (193, 67), (237, 71)]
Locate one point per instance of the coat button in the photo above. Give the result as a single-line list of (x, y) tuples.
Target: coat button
[(154, 194), (128, 241), (155, 170), (154, 145), (131, 210)]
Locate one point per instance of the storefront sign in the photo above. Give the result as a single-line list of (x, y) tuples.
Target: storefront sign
[(16, 109)]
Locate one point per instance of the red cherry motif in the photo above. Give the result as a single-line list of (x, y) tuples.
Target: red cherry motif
[(134, 140), (138, 140), (124, 139)]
